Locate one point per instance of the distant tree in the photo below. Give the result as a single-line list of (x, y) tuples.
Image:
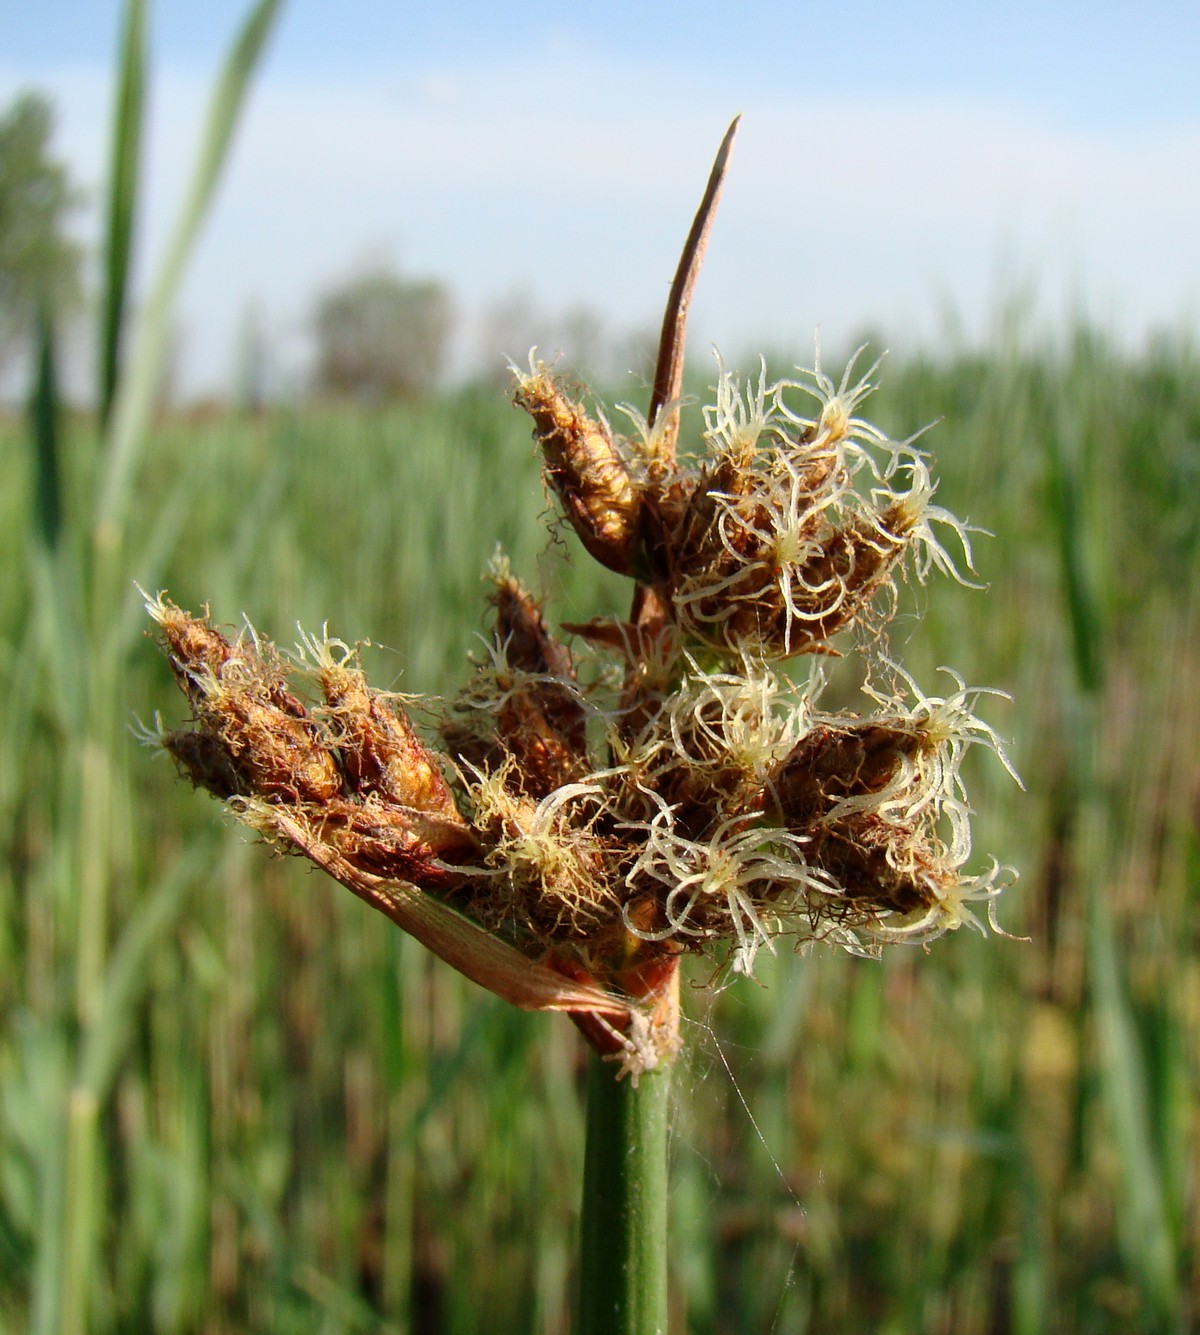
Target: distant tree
[(39, 262), (382, 336)]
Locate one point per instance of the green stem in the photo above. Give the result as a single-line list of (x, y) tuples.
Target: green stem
[(623, 1269)]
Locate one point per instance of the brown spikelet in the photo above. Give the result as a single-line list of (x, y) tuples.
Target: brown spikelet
[(381, 752), (204, 760), (538, 718), (587, 471), (831, 790), (832, 763), (192, 643), (257, 737), (394, 843), (548, 723)]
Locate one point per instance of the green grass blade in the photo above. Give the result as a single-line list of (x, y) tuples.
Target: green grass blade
[(44, 430), (122, 196), (55, 602), (1143, 1218), (45, 1071), (140, 378), (1067, 505)]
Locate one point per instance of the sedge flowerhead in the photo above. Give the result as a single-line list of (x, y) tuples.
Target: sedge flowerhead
[(605, 797)]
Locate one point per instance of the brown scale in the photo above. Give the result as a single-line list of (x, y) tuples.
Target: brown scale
[(696, 544), (522, 630), (194, 645), (469, 746), (647, 648), (566, 904), (859, 852), (204, 760), (830, 590), (711, 786), (844, 576), (545, 761), (394, 843), (819, 467), (829, 764), (539, 723), (240, 701), (380, 751), (253, 738), (275, 754), (697, 540), (759, 617), (198, 650), (665, 505), (704, 801), (752, 609)]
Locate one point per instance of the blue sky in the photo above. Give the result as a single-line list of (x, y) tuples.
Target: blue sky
[(900, 166)]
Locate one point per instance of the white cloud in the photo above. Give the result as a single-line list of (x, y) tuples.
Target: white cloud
[(576, 180)]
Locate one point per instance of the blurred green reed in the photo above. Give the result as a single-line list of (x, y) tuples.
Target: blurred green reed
[(70, 809), (231, 1098)]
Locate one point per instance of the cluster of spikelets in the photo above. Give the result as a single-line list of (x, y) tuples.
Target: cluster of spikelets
[(593, 811), (723, 810), (771, 545)]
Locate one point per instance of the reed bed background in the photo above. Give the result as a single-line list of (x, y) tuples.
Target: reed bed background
[(232, 1098)]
